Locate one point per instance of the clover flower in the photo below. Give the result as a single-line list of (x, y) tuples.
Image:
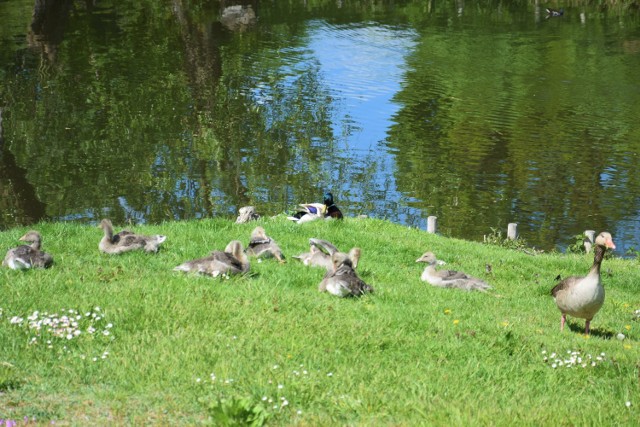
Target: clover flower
[(574, 358), (65, 325)]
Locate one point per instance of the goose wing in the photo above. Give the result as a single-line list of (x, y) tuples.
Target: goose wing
[(323, 245), (451, 275)]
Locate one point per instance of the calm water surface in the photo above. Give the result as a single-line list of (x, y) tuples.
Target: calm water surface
[(480, 113)]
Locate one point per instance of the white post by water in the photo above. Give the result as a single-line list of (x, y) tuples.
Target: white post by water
[(590, 236), (432, 224), (512, 231)]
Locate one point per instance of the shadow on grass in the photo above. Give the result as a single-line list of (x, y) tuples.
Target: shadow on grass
[(579, 328)]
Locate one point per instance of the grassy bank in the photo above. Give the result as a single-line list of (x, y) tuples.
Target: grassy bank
[(170, 347)]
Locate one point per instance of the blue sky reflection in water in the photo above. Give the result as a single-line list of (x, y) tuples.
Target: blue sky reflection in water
[(363, 67), (481, 113)]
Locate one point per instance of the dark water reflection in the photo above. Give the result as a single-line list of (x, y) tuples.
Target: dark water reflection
[(478, 112)]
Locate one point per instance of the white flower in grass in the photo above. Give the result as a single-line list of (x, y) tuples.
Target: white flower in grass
[(95, 359), (198, 380), (554, 366), (627, 404), (280, 386), (299, 412), (285, 402), (16, 320), (105, 332), (264, 398), (69, 336), (330, 374)]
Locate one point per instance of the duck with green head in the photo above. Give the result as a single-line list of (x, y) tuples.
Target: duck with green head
[(332, 210)]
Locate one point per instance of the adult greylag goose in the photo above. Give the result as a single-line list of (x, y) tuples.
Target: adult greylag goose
[(449, 278), (232, 260), (583, 296), (25, 257), (126, 240), (262, 245), (342, 280)]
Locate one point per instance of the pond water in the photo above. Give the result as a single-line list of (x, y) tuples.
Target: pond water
[(480, 113)]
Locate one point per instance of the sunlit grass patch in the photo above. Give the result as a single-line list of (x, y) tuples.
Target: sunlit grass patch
[(140, 341)]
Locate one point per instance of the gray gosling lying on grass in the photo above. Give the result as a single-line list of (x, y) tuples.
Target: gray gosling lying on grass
[(25, 257), (449, 278), (342, 280), (126, 241), (232, 261), (262, 245), (320, 253), (583, 296), (246, 214)]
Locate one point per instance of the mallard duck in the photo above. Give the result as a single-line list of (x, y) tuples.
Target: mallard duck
[(28, 256), (309, 212), (320, 252), (246, 214), (126, 240), (554, 12), (262, 245), (232, 260), (583, 296), (342, 280), (449, 278), (332, 209)]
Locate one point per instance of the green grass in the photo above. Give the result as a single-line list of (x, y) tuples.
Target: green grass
[(409, 354)]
